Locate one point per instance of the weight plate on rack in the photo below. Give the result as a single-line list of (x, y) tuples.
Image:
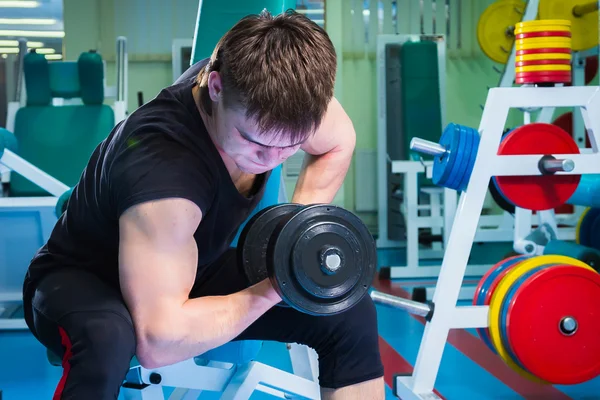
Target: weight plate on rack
[(553, 326), (487, 285), (322, 259), (531, 35), (500, 293), (455, 180), (583, 230), (538, 192), (565, 122), (584, 29), (494, 28)]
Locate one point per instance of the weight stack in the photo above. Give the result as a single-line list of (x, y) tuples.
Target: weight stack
[(543, 52)]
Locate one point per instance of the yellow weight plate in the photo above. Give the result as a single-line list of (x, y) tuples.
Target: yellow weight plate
[(543, 68), (579, 221), (584, 29), (495, 28), (542, 28), (543, 56), (546, 45), (544, 21), (543, 40), (502, 290)]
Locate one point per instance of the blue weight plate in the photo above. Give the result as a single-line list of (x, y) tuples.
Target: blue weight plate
[(586, 228), (462, 158), (468, 169), (594, 233), (442, 166), (504, 311), (481, 294)]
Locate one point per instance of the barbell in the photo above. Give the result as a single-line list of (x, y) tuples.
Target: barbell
[(320, 258), (542, 318), (455, 154), (496, 26)]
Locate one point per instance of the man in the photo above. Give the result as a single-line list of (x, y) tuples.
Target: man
[(140, 262)]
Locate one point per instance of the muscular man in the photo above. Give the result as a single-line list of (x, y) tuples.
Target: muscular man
[(140, 262)]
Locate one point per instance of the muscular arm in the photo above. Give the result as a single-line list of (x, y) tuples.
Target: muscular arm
[(157, 264), (328, 156)]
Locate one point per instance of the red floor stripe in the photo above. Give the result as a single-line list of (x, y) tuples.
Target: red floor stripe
[(394, 364), (478, 352)]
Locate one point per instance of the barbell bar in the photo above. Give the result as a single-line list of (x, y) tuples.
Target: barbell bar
[(414, 307), (547, 164)]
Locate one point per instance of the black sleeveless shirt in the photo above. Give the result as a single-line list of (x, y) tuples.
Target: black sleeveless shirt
[(160, 150)]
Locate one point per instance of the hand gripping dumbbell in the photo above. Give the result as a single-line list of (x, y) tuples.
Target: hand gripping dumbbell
[(321, 259)]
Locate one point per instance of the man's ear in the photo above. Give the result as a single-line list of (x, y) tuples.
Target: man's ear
[(215, 86)]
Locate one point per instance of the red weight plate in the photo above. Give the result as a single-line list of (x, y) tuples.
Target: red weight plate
[(542, 62), (538, 192), (591, 69), (541, 51), (543, 34), (534, 319), (545, 79), (565, 122), (537, 74)]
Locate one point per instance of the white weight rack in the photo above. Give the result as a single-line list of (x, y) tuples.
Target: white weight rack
[(44, 205), (488, 163)]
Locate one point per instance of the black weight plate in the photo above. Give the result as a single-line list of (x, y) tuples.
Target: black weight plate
[(295, 258), (499, 199), (254, 240)]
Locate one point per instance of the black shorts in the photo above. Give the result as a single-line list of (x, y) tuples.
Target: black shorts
[(74, 311)]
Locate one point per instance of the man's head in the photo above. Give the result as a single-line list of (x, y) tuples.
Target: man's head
[(267, 87)]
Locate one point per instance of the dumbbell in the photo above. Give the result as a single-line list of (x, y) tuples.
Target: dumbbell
[(320, 258)]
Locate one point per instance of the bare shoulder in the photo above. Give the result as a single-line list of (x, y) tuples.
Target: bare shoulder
[(168, 219)]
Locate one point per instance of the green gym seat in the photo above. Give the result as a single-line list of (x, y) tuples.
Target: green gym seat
[(59, 139)]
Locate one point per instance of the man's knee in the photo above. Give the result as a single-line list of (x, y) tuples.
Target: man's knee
[(103, 340), (350, 354)]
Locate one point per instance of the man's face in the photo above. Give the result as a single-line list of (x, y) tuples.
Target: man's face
[(240, 140), (238, 137)]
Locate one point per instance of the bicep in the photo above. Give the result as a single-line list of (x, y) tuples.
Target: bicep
[(157, 256)]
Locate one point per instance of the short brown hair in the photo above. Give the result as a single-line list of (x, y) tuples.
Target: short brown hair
[(279, 69)]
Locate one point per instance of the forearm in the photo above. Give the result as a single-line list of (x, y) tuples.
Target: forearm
[(322, 176), (204, 323)]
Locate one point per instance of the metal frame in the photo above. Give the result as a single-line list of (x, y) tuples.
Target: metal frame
[(234, 382), (487, 164), (382, 153), (9, 161)]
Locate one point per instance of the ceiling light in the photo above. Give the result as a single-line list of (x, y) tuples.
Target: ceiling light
[(53, 56), (15, 43), (15, 50), (27, 21), (19, 4), (48, 34)]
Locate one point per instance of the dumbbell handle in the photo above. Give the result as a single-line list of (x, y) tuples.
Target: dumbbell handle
[(582, 9), (427, 147), (413, 307)]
